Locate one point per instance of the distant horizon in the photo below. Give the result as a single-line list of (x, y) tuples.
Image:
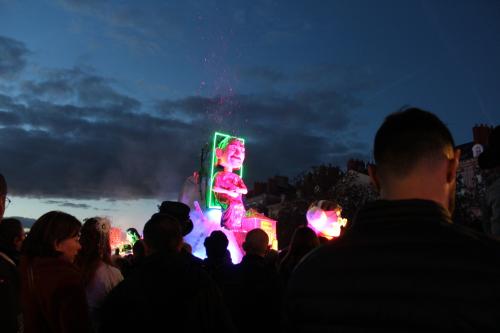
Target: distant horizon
[(133, 213)]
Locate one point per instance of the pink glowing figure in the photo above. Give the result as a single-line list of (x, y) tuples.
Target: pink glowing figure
[(324, 217), (228, 186)]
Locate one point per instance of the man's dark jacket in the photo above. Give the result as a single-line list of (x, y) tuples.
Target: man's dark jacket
[(403, 266), (10, 291), (254, 295)]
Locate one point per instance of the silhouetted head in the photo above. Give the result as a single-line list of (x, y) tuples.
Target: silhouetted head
[(54, 234), (11, 234), (162, 233), (133, 235), (408, 137), (256, 242), (415, 158), (94, 238), (216, 244), (180, 211), (304, 239)]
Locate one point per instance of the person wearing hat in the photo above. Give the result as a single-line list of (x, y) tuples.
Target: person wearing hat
[(218, 259), (166, 292), (180, 212), (489, 161)]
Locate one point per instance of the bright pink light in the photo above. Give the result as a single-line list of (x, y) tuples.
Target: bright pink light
[(325, 223)]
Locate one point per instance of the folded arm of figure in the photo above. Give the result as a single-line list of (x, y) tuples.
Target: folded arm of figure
[(232, 193)]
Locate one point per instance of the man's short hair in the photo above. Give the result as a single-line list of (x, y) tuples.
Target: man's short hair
[(408, 136), (256, 242), (162, 233), (3, 185), (230, 140)]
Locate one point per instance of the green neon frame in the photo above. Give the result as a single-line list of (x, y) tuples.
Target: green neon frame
[(218, 137)]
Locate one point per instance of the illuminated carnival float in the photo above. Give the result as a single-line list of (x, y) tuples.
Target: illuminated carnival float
[(215, 194)]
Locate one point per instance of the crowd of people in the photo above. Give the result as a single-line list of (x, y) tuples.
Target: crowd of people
[(402, 265)]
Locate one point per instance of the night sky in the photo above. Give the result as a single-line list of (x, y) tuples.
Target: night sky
[(105, 105)]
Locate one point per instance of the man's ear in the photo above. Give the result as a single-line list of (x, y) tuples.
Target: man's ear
[(218, 152), (372, 172), (451, 173)]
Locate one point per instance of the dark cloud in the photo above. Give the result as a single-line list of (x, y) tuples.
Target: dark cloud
[(285, 134), (306, 112), (71, 133), (12, 57), (345, 79), (51, 89), (77, 86), (96, 149), (69, 204), (99, 145)]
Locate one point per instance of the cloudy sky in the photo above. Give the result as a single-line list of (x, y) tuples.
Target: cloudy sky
[(105, 105)]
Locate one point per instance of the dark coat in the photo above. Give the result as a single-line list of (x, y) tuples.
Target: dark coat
[(10, 290), (166, 292), (254, 295), (55, 301), (403, 266)]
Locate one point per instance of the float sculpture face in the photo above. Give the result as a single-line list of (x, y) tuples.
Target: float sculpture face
[(232, 155), (325, 219)]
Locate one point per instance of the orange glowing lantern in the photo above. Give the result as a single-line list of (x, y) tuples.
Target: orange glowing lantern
[(116, 237)]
